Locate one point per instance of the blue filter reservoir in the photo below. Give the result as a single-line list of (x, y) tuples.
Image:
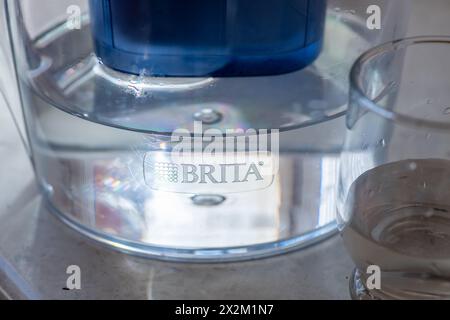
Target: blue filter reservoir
[(191, 38)]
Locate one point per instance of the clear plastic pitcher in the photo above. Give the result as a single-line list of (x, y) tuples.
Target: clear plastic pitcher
[(176, 143)]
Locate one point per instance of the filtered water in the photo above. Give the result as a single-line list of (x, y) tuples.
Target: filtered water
[(399, 220)]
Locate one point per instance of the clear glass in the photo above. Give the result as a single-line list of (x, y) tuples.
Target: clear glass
[(393, 198), (101, 140)]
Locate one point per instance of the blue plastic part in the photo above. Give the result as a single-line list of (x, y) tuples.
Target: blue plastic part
[(189, 38)]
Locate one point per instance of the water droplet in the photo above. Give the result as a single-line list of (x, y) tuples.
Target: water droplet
[(382, 143), (447, 110), (48, 189), (412, 166)]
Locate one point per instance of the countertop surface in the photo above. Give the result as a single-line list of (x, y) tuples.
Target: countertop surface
[(36, 248)]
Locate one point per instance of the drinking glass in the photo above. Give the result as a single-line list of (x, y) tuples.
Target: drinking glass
[(394, 185)]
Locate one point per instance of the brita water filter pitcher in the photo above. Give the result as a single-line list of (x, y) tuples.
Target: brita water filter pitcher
[(204, 130)]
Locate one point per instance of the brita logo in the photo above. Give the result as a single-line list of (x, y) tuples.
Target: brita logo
[(228, 161), (206, 173)]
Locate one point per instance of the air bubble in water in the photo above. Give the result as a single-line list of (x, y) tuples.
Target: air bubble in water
[(208, 200), (208, 116)]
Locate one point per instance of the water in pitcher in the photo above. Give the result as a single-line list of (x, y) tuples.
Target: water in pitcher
[(93, 129), (91, 141), (399, 220)]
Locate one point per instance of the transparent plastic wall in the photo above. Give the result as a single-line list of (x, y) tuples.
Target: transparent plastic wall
[(9, 94), (102, 140)]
